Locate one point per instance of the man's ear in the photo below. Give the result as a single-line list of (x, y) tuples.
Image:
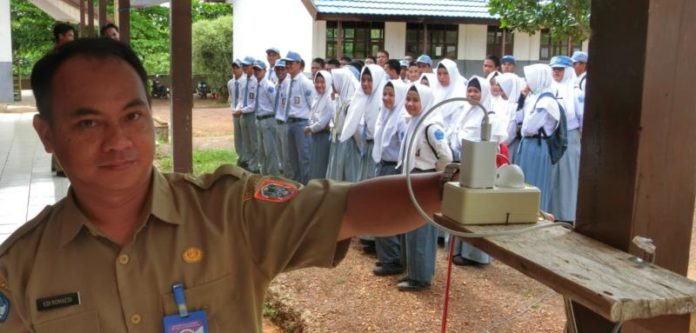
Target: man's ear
[(43, 129)]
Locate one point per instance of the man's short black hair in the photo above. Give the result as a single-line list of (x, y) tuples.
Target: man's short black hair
[(60, 28), (102, 32), (371, 58), (494, 58), (320, 61), (385, 52), (394, 65), (358, 64), (346, 59), (334, 61), (101, 48)]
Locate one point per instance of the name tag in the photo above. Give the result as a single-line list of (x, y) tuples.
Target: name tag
[(195, 322), (296, 100), (58, 301)]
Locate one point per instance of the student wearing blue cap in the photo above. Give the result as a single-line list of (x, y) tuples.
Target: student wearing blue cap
[(300, 96), (566, 171), (245, 110), (265, 121), (580, 67), (403, 74), (272, 56), (425, 65), (235, 88), (281, 117), (507, 64)]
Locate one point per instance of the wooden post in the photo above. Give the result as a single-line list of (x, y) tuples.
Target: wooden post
[(90, 18), (124, 20), (502, 51), (81, 30), (339, 39), (102, 14), (637, 175), (182, 96), (425, 38)]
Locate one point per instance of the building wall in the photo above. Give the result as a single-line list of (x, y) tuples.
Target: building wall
[(319, 45), (526, 46), (6, 87), (395, 39), (260, 24)]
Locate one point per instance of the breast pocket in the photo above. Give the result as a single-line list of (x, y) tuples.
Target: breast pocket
[(216, 297), (86, 322)]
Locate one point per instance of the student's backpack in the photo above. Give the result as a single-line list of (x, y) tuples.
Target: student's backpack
[(558, 141)]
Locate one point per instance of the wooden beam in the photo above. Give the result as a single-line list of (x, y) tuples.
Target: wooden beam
[(636, 176), (311, 8), (124, 20), (182, 97), (102, 14), (339, 39), (83, 11), (90, 18)]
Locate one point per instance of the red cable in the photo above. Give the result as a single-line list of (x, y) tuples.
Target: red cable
[(447, 284)]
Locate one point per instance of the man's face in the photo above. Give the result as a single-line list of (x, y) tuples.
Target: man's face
[(382, 58), (259, 73), (507, 67), (579, 67), (237, 71), (272, 57), (330, 67), (424, 68), (281, 72), (248, 70), (68, 36), (403, 73), (293, 67), (413, 73), (488, 67), (315, 68), (558, 73), (111, 33), (101, 126), (343, 62)]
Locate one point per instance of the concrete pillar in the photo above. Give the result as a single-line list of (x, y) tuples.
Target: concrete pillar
[(395, 39), (6, 87)]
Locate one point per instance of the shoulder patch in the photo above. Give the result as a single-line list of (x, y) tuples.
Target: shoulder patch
[(271, 89), (275, 190), (439, 134), (308, 93), (4, 307)]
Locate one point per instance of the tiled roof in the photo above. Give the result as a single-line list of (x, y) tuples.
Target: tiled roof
[(435, 8)]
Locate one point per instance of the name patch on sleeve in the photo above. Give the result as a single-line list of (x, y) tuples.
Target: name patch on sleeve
[(4, 308), (59, 301)]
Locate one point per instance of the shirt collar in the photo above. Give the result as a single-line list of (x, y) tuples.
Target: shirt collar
[(161, 203)]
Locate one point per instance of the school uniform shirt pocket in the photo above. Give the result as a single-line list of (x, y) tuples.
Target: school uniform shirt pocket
[(83, 322), (217, 298)]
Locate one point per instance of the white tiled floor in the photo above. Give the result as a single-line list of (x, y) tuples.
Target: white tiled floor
[(26, 182)]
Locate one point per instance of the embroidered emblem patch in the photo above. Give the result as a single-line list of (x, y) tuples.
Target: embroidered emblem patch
[(192, 255), (4, 308), (439, 135), (274, 190)]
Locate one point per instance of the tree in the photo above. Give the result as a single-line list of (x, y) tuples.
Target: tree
[(564, 18), (211, 48), (32, 35)]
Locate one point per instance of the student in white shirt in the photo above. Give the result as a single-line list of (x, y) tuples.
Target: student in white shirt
[(323, 109), (245, 109), (235, 86), (344, 156), (265, 121)]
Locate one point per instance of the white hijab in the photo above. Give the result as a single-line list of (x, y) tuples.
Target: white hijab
[(467, 125), (389, 120), (456, 88), (430, 77), (511, 85), (364, 105), (427, 101), (345, 84), (539, 80), (566, 91), (321, 100)]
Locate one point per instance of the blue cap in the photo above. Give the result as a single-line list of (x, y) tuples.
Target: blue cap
[(293, 56), (280, 63), (561, 62), (237, 63), (403, 63), (579, 56), (273, 49), (259, 64), (248, 61), (424, 59), (507, 58)]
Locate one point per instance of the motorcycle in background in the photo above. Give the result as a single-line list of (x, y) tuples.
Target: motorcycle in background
[(158, 89)]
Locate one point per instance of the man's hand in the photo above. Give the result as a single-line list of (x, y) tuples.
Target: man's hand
[(307, 131)]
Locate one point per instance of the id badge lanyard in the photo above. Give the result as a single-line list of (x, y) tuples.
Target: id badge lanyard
[(184, 321)]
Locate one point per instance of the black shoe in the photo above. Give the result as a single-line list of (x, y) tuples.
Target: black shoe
[(388, 269), (441, 241), (369, 249), (461, 261), (412, 285), (60, 173)]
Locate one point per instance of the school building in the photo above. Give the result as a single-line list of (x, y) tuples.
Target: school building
[(462, 30)]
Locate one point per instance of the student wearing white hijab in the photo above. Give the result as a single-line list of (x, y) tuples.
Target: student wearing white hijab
[(541, 119), (510, 89), (565, 173), (428, 153), (428, 79), (362, 116), (344, 156), (389, 131), (449, 84), (323, 109), (468, 126)]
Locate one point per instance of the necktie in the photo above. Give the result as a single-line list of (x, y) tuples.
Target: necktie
[(289, 101), (246, 92), (277, 98), (236, 93), (256, 103)]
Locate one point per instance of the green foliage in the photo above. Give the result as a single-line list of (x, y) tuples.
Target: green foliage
[(209, 11), (204, 161), (32, 35), (563, 18), (212, 50), (150, 38)]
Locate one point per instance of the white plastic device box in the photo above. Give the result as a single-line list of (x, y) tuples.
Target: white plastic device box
[(490, 206)]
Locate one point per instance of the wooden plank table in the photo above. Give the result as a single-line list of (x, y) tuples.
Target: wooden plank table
[(591, 273)]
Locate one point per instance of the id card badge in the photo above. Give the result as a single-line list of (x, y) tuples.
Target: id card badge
[(184, 321)]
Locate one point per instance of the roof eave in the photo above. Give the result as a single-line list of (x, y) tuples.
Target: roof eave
[(403, 18)]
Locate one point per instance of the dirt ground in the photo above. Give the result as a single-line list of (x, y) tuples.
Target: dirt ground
[(350, 298)]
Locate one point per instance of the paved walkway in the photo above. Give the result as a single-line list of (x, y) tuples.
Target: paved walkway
[(26, 182)]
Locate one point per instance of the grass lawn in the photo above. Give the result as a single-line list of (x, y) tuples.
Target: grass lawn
[(204, 161)]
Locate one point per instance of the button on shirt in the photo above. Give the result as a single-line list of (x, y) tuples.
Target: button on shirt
[(300, 96), (209, 233), (266, 98), (247, 102)]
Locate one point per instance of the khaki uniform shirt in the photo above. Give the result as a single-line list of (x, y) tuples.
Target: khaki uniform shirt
[(224, 236)]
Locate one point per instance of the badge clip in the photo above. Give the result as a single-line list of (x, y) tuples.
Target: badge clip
[(180, 299)]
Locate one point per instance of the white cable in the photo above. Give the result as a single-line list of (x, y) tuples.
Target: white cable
[(425, 216)]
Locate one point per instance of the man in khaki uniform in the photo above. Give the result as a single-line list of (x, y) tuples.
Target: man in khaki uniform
[(108, 257)]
